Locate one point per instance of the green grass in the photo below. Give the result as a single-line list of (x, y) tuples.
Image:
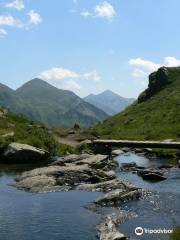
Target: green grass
[(27, 132), (175, 235), (157, 118)]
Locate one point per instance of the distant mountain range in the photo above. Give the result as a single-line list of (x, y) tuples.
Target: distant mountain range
[(45, 103), (109, 102)]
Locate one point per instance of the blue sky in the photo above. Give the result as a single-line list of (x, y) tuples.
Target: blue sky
[(88, 46)]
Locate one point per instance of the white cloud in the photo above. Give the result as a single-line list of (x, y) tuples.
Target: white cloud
[(2, 32), (171, 62), (105, 10), (17, 4), (146, 65), (62, 73), (86, 13), (92, 76), (35, 17), (67, 79), (72, 85), (139, 73), (58, 74), (10, 21)]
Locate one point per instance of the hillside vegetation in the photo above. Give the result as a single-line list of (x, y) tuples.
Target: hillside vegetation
[(17, 128), (155, 115)]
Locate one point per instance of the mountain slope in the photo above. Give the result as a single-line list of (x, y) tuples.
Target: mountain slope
[(42, 102), (155, 115), (109, 102)]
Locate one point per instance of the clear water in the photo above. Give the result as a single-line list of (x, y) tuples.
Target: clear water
[(62, 216), (53, 216), (160, 205)]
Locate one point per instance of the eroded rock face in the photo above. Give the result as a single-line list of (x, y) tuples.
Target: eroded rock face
[(157, 81), (18, 153)]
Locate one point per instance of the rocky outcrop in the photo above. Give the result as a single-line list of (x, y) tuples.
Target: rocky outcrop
[(157, 81), (81, 172), (118, 195), (23, 153), (95, 161), (60, 178), (84, 172), (108, 186), (108, 228)]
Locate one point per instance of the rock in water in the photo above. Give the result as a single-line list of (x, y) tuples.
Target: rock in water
[(59, 178), (117, 152), (107, 229), (23, 153), (153, 177), (117, 195)]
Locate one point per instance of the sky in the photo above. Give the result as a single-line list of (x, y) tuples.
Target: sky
[(88, 46)]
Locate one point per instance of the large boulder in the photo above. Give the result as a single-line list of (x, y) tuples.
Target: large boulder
[(23, 153), (151, 174), (153, 177)]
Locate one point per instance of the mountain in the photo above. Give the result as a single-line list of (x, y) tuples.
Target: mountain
[(109, 102), (45, 103), (155, 115)]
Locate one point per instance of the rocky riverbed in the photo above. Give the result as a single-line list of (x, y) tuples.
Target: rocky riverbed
[(84, 172), (94, 173)]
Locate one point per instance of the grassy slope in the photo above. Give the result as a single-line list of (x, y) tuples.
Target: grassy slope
[(28, 132), (154, 119)]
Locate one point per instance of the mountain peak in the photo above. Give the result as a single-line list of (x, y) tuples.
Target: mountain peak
[(108, 92), (35, 82), (109, 102)]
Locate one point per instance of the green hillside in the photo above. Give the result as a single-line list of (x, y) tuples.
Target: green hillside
[(54, 107), (17, 128), (155, 115)]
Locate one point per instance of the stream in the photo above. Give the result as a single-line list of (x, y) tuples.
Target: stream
[(62, 215)]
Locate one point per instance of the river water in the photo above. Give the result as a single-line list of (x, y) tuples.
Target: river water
[(62, 216)]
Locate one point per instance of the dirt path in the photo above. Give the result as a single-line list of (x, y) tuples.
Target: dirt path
[(68, 140)]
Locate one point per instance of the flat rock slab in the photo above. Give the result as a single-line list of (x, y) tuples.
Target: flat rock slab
[(61, 177), (118, 195), (107, 186), (98, 161)]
